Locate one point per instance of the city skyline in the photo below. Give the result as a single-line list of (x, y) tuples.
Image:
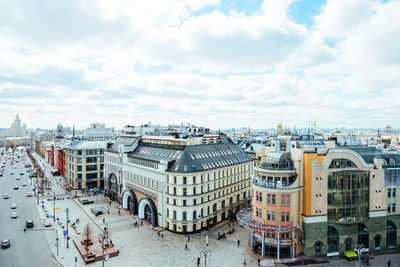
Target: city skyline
[(219, 64)]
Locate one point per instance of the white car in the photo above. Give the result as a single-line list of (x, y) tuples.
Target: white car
[(13, 206), (29, 194), (46, 223), (18, 178), (24, 184), (14, 215), (5, 196)]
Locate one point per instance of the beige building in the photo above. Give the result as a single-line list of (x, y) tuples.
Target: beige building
[(84, 162)]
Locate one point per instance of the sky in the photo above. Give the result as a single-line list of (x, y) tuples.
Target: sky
[(213, 63)]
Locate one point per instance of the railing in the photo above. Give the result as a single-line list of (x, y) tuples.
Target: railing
[(271, 184)]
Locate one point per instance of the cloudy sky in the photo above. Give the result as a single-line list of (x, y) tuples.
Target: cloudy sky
[(214, 63)]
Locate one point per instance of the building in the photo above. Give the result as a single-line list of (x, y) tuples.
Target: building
[(84, 162), (99, 132), (315, 198), (184, 185), (59, 155), (17, 129)]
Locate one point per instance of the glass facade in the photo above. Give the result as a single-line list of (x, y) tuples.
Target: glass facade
[(348, 196)]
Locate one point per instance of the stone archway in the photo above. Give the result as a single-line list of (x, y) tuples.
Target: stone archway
[(129, 201), (148, 210)]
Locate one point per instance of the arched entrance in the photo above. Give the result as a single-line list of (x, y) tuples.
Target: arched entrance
[(318, 248), (333, 240), (129, 201), (391, 234), (348, 244), (148, 211), (363, 235), (377, 242)]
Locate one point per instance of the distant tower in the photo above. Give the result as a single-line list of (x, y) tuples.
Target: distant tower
[(60, 129), (73, 131), (248, 130)]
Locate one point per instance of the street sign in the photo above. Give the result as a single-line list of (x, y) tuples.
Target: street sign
[(57, 239), (56, 208)]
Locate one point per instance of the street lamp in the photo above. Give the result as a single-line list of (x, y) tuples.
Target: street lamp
[(205, 253), (359, 248)]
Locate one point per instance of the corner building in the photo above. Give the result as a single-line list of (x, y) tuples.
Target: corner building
[(185, 185)]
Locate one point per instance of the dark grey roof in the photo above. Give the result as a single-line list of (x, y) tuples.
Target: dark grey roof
[(122, 141), (368, 153), (193, 158)]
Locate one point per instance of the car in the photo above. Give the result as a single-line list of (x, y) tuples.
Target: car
[(46, 223), (29, 224), (24, 184), (5, 243), (21, 173), (29, 194), (16, 187), (11, 173), (13, 206), (6, 196), (18, 178), (14, 215)]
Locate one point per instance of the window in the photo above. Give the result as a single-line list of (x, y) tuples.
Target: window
[(167, 213), (184, 191), (287, 200), (268, 198), (184, 216), (273, 199), (287, 216), (394, 192), (184, 202), (389, 192), (194, 201), (194, 179), (394, 207), (174, 190), (273, 216), (184, 180), (268, 215), (388, 207), (175, 201), (194, 215), (174, 215), (174, 179), (283, 216)]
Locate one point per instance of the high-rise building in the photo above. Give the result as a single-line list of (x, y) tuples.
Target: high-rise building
[(17, 129)]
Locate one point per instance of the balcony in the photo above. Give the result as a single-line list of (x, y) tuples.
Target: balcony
[(278, 183)]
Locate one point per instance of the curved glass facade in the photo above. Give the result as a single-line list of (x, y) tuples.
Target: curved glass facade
[(348, 196)]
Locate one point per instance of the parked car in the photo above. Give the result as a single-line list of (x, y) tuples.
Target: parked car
[(24, 184), (13, 206), (6, 196), (29, 194), (29, 224), (5, 243), (16, 187), (21, 173), (18, 178), (14, 215), (46, 223)]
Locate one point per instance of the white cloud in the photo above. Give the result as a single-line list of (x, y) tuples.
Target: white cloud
[(170, 61)]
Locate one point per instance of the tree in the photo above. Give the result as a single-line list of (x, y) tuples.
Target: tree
[(87, 233)]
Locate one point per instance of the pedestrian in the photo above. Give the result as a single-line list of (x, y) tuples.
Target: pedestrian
[(104, 220), (162, 236), (186, 247), (188, 238), (198, 261), (389, 263), (141, 222), (244, 262), (258, 261), (158, 234), (119, 212), (238, 242)]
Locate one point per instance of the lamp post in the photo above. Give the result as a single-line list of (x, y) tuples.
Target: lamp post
[(359, 248), (205, 253)]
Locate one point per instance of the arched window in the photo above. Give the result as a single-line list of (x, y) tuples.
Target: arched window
[(391, 234), (223, 203), (194, 215), (201, 212), (174, 215), (333, 240), (215, 207), (342, 163), (347, 243), (167, 213), (184, 216), (377, 239), (318, 248), (363, 235)]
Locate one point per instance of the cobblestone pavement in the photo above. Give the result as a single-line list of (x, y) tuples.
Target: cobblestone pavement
[(141, 246)]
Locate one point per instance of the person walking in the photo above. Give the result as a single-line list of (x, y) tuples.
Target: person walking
[(186, 247), (244, 262), (158, 234), (188, 238), (162, 236), (198, 262), (389, 263), (258, 261), (238, 242), (104, 220)]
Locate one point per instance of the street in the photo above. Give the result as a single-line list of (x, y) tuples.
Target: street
[(30, 248)]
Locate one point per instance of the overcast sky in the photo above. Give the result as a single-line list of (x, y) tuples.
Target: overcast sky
[(218, 64)]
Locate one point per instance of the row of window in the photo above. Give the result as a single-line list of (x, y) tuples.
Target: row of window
[(85, 152), (214, 209), (391, 207), (204, 199), (271, 199), (141, 179), (143, 162), (207, 177), (391, 192)]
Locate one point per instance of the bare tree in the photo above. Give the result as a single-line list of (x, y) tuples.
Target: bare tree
[(87, 233)]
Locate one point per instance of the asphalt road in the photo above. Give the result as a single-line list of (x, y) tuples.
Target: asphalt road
[(30, 248)]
